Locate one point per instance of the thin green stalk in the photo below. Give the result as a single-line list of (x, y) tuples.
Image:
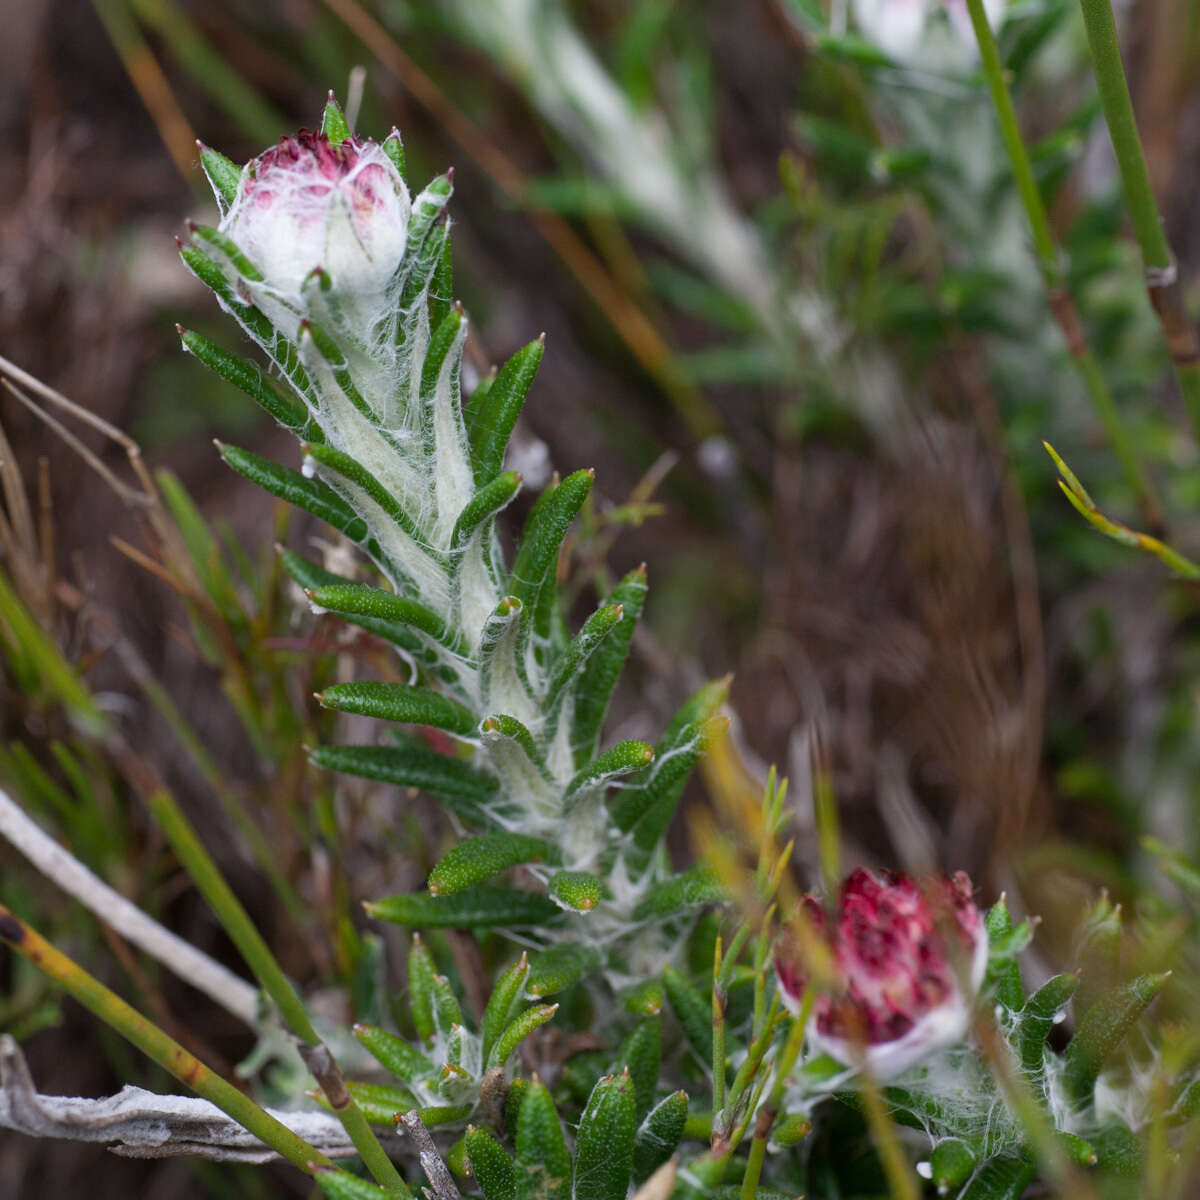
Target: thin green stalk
[(1162, 281), (767, 1113), (241, 930), (718, 1026), (1062, 305), (156, 1044)]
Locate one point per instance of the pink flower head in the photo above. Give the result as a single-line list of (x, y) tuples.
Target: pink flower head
[(307, 203), (897, 997)]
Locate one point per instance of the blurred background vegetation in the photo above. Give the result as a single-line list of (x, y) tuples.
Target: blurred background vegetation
[(794, 322)]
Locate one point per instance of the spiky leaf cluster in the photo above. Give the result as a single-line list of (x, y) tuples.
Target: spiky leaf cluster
[(397, 463)]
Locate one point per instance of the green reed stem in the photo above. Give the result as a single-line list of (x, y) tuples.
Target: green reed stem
[(241, 930), (156, 1044), (1161, 280), (1062, 305)]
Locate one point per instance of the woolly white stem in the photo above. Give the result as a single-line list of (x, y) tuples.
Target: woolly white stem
[(193, 966)]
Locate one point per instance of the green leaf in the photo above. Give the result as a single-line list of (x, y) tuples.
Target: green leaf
[(380, 1102), (393, 147), (604, 1143), (491, 1165), (791, 1129), (1004, 972), (578, 891), (667, 775), (479, 858), (692, 1011), (491, 415), (408, 1065), (623, 758), (951, 1162), (1102, 1030), (400, 702), (543, 1162), (341, 1185), (356, 474), (556, 969), (422, 971), (360, 600), (290, 411), (518, 1030), (310, 577), (585, 643), (1037, 1019), (646, 999), (1099, 949), (536, 561), (229, 248), (412, 766), (594, 689), (501, 656), (641, 1056), (311, 495), (1004, 1177), (479, 907), (333, 122), (447, 1012), (698, 885), (503, 1002), (441, 288), (223, 174), (659, 1135), (486, 502)]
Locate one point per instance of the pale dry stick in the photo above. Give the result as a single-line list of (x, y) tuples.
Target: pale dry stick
[(146, 498), (432, 1163), (183, 959)]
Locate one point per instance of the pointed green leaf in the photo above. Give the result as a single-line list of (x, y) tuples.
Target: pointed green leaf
[(223, 175), (517, 1030), (1004, 972), (604, 1143), (543, 1162), (585, 643), (556, 969), (646, 999), (659, 1135), (1102, 1030), (692, 1010), (596, 683), (393, 147), (229, 248), (578, 891), (421, 973), (491, 1165), (536, 561), (623, 758), (478, 907), (447, 1012), (333, 122), (1037, 1019), (360, 600), (502, 1004), (698, 885), (311, 495), (951, 1162), (486, 502), (492, 415), (641, 1056), (400, 702), (441, 289), (411, 767), (1004, 1177), (341, 1185), (289, 410), (408, 1065), (479, 858)]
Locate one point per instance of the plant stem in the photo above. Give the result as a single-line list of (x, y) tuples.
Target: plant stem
[(1062, 304), (718, 1027), (1162, 281), (156, 1044), (241, 930)]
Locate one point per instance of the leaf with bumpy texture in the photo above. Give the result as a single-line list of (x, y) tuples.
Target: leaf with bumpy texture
[(491, 1165), (479, 858), (400, 702), (477, 908), (659, 1135), (604, 1143), (543, 1162)]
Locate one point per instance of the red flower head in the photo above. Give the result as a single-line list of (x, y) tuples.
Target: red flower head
[(308, 203), (897, 996)]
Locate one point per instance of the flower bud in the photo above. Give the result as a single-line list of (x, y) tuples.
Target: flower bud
[(307, 203), (897, 996)]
